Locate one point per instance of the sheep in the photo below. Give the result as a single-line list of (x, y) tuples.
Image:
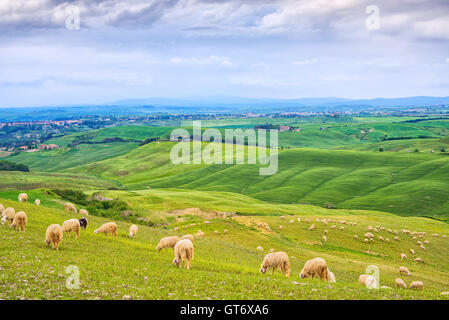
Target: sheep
[(23, 197), (37, 202), (216, 232), (324, 238), (54, 236), (417, 285), (176, 229), (84, 212), (396, 238), (426, 242), (72, 225), (342, 228), (259, 248), (312, 227), (20, 219), (299, 220), (1, 208), (412, 251), (167, 242), (422, 247), (199, 234), (366, 240), (403, 256), (368, 281), (83, 223), (132, 231), (183, 253), (333, 227), (188, 236), (108, 227), (387, 240), (418, 260), (281, 227), (8, 215), (400, 283), (282, 217), (276, 260), (315, 267), (207, 222), (404, 270), (307, 220), (331, 276), (70, 207), (271, 250), (291, 221), (356, 237), (435, 235), (225, 231)]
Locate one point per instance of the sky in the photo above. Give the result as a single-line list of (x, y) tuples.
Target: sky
[(55, 52)]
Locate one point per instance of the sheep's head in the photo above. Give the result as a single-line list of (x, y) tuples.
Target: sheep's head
[(176, 261), (263, 270), (302, 275), (47, 242), (158, 248), (96, 231)]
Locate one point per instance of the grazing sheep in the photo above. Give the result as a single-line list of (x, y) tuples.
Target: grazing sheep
[(331, 276), (20, 219), (426, 242), (23, 197), (167, 242), (207, 222), (312, 227), (324, 238), (315, 267), (8, 215), (188, 236), (299, 219), (281, 227), (381, 238), (396, 238), (70, 207), (412, 251), (403, 256), (404, 270), (225, 231), (291, 221), (53, 235), (282, 217), (72, 225), (83, 223), (422, 247), (368, 280), (276, 260), (199, 234), (400, 283), (342, 228), (356, 237), (37, 202), (326, 232), (216, 232), (176, 229), (387, 240), (259, 248), (108, 227), (183, 253), (435, 235), (417, 285), (418, 260), (307, 220), (366, 240), (84, 212), (133, 231)]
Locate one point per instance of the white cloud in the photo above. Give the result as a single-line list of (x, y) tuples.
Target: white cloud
[(204, 61), (305, 62)]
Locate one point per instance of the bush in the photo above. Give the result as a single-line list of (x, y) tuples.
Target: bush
[(11, 166), (329, 205)]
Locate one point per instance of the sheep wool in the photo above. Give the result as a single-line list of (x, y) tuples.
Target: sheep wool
[(72, 225), (84, 212), (108, 227), (167, 242), (70, 207), (274, 261), (331, 276), (183, 253), (54, 235), (315, 267), (403, 256), (23, 197), (188, 236), (400, 283), (133, 231), (20, 220)]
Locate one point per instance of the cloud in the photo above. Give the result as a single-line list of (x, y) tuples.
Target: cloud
[(304, 62), (194, 61)]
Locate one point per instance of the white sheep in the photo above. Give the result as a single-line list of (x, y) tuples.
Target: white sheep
[(403, 256), (23, 197), (315, 267), (417, 285), (20, 220), (400, 283), (188, 236), (72, 225), (259, 248), (132, 230), (404, 270), (183, 253), (199, 234), (8, 215), (37, 202), (54, 236), (167, 242), (108, 227), (70, 207), (84, 212), (368, 281), (331, 276), (276, 260)]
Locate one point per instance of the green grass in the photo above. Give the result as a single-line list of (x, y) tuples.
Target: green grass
[(110, 268)]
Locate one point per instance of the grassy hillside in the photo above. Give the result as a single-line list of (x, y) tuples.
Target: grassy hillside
[(110, 268), (408, 184)]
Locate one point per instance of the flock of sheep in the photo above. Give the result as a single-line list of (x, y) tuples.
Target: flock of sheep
[(183, 246)]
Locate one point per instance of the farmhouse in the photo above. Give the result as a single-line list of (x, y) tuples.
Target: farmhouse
[(48, 146)]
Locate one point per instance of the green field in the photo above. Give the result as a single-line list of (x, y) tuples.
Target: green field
[(329, 163)]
